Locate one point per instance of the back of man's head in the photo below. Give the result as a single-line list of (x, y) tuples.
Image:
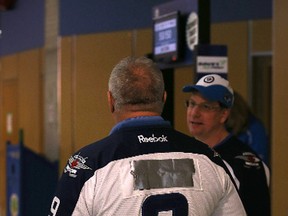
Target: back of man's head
[(137, 84)]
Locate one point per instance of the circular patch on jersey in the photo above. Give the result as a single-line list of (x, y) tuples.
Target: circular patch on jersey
[(250, 159)]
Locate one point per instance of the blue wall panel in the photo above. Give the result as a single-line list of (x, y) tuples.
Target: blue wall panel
[(90, 16), (239, 10), (23, 27)]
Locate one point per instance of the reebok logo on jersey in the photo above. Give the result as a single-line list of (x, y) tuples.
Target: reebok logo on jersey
[(75, 163), (143, 139)]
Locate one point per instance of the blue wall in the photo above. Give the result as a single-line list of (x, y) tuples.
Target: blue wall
[(238, 10), (86, 16), (23, 27)]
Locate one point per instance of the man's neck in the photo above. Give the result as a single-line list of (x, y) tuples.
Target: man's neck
[(122, 116)]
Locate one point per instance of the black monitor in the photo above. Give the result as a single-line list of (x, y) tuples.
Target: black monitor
[(167, 38)]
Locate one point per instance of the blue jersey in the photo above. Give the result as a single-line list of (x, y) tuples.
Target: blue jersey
[(257, 138)]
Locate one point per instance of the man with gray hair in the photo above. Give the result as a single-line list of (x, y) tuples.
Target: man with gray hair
[(144, 167)]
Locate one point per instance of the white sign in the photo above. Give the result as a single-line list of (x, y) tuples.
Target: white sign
[(212, 64)]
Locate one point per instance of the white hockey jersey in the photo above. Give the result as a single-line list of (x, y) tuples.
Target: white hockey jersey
[(146, 170)]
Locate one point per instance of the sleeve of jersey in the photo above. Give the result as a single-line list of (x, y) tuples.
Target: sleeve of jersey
[(74, 176), (231, 203)]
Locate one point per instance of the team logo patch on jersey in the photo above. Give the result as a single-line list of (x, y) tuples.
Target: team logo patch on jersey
[(75, 163), (250, 159)]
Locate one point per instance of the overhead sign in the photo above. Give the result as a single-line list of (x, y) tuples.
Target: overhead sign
[(210, 59), (212, 64)]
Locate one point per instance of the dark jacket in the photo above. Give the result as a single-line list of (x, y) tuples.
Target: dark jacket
[(249, 170)]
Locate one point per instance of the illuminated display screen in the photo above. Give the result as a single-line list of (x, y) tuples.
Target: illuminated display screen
[(166, 38)]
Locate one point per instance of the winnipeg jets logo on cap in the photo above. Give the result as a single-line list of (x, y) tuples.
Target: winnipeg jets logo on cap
[(209, 79), (228, 99)]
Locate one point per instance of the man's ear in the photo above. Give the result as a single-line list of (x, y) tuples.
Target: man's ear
[(110, 101), (164, 97), (225, 115)]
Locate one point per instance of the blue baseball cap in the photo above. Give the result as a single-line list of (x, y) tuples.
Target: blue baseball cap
[(214, 88)]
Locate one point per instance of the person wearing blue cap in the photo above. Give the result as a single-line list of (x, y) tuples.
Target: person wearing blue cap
[(208, 109)]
